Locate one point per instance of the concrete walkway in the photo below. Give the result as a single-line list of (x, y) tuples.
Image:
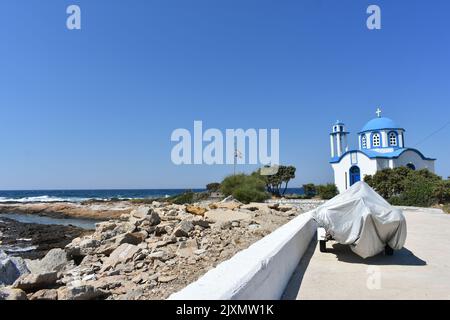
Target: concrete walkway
[(421, 270)]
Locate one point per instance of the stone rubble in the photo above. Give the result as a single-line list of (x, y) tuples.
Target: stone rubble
[(150, 253)]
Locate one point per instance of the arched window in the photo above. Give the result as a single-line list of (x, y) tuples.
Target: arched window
[(411, 166), (376, 141), (392, 139), (364, 142)]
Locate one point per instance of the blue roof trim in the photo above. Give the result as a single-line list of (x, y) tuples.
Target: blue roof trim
[(380, 129), (390, 155)]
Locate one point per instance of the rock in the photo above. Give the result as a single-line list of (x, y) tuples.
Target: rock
[(12, 294), (54, 260), (284, 207), (230, 205), (274, 205), (199, 211), (161, 255), (255, 206), (134, 238), (81, 292), (165, 279), (199, 251), (254, 226), (82, 246), (187, 248), (220, 215), (11, 268), (145, 213), (141, 212), (183, 228), (46, 294), (123, 253), (201, 222), (35, 282), (134, 294), (105, 226)]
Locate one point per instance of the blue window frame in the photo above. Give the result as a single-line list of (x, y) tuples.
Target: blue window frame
[(375, 140), (363, 141), (393, 139)]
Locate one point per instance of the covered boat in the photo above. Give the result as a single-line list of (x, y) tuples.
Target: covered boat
[(361, 218)]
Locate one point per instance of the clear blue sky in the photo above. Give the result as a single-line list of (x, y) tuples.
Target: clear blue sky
[(95, 108)]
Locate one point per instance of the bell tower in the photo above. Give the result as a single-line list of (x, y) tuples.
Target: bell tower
[(338, 140)]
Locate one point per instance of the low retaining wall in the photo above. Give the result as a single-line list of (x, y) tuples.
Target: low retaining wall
[(261, 271)]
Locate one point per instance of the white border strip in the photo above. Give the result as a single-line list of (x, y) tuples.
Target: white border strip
[(259, 272)]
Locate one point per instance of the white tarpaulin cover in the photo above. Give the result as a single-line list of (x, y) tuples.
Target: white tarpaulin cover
[(361, 218)]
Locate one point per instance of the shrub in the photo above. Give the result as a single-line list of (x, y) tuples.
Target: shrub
[(309, 190), (403, 186), (327, 191), (186, 197), (213, 187), (245, 188)]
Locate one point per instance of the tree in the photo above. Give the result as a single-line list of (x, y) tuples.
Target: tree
[(213, 187), (274, 183), (327, 191)]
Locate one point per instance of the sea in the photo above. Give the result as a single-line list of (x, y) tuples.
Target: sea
[(27, 196)]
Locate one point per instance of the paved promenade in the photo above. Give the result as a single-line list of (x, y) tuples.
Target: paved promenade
[(421, 270)]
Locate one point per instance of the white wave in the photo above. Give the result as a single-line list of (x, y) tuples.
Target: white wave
[(44, 198), (13, 249)]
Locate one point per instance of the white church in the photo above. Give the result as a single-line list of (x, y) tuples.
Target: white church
[(381, 145)]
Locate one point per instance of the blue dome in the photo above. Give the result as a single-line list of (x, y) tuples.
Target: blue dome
[(380, 124)]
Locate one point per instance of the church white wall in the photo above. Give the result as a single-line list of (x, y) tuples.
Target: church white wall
[(365, 164), (414, 158)]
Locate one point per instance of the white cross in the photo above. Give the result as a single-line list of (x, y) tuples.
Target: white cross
[(378, 112)]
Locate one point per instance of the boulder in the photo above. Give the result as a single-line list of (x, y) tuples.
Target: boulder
[(196, 210), (140, 212), (45, 294), (183, 228), (145, 213), (230, 205), (81, 292), (82, 246), (35, 282), (54, 260), (12, 294), (124, 253), (11, 268)]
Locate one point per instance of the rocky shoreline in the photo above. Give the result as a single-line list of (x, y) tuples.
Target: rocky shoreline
[(101, 210), (148, 252)]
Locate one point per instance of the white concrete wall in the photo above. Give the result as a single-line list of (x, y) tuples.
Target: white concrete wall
[(259, 272)]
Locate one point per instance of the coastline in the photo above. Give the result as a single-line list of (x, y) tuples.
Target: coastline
[(145, 251)]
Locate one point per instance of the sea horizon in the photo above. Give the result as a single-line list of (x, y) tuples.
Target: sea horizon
[(79, 195)]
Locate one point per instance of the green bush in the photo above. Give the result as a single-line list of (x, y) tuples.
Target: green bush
[(327, 191), (309, 190), (186, 197), (245, 188), (213, 187), (406, 187)]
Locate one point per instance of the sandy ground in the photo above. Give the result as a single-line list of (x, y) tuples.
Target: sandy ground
[(421, 270)]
